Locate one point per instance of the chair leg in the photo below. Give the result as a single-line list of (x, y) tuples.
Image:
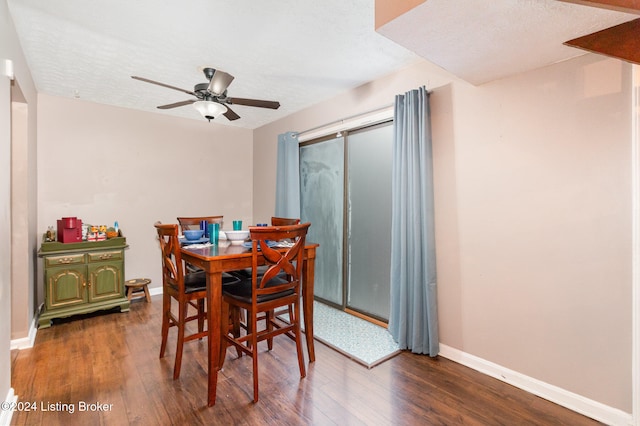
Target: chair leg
[(234, 319), (235, 315), (242, 316), (182, 317), (224, 316), (298, 334), (249, 327), (269, 318), (201, 316), (254, 347), (166, 308)]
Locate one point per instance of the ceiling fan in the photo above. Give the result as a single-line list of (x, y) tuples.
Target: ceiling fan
[(211, 98)]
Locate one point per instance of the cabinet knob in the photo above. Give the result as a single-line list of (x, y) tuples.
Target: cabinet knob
[(106, 256), (65, 260)]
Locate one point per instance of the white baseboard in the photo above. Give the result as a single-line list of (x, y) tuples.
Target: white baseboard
[(155, 290), (26, 342), (596, 410), (10, 400)]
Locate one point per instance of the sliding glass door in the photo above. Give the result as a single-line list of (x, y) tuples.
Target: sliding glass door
[(369, 221), (345, 190)]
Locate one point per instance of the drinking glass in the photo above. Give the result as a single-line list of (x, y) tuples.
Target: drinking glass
[(214, 233)]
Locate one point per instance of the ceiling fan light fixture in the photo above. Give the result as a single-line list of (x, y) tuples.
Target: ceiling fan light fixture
[(209, 109), (211, 98)]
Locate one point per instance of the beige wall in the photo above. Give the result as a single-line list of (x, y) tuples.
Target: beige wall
[(102, 164), (533, 215), (543, 219)]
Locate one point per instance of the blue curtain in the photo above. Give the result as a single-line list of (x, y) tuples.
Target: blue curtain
[(288, 176), (413, 319)]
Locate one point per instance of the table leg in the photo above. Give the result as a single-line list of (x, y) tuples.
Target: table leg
[(214, 306), (308, 270)]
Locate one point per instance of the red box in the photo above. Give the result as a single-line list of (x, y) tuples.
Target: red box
[(69, 235)]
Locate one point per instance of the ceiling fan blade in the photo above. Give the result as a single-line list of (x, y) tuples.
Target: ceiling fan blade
[(231, 114), (176, 104), (219, 82), (254, 103), (146, 80)]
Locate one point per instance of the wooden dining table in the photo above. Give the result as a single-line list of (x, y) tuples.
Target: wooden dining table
[(224, 257)]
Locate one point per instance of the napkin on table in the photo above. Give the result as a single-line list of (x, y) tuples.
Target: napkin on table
[(199, 245)]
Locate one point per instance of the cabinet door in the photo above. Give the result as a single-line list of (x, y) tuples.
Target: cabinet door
[(66, 286), (106, 272)]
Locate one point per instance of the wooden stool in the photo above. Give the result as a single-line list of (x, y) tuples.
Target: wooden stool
[(138, 285)]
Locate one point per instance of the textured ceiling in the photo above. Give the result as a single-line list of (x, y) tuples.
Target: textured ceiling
[(484, 40), (297, 52)]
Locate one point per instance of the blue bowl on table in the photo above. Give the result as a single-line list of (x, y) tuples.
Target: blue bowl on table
[(193, 234)]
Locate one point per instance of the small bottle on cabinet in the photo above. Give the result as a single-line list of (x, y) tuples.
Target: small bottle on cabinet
[(50, 235)]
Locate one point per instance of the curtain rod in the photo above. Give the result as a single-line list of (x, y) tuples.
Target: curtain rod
[(357, 120)]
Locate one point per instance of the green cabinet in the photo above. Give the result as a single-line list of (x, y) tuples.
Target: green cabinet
[(82, 277)]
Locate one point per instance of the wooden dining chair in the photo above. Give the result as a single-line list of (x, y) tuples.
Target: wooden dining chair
[(194, 222), (189, 290), (246, 273), (278, 287)]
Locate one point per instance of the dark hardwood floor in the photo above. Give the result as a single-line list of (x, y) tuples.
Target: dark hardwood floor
[(113, 360)]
